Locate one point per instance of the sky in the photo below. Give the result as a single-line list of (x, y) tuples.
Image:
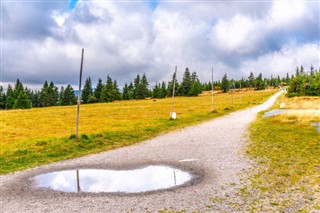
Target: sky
[(42, 39)]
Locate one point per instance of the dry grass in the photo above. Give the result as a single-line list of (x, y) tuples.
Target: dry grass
[(304, 102), (41, 135), (287, 149)]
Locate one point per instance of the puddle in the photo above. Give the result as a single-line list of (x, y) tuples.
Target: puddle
[(275, 112), (145, 179)]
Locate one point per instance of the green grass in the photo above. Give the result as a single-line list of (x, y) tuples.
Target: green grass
[(287, 150), (285, 172), (39, 136)]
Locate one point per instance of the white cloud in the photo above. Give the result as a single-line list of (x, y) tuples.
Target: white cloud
[(285, 61), (122, 39), (241, 34)]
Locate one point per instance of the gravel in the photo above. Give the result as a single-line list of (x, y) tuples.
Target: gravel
[(211, 151)]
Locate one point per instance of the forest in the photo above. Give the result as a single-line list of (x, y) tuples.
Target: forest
[(20, 97)]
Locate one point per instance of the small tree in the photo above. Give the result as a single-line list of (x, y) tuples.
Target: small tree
[(2, 98), (186, 83), (87, 90), (10, 98), (22, 101), (68, 97), (98, 90), (225, 83)]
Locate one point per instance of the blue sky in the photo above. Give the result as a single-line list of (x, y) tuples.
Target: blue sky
[(124, 38), (73, 4)]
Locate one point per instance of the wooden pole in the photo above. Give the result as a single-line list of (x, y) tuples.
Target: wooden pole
[(240, 93), (173, 90), (79, 95), (212, 89)]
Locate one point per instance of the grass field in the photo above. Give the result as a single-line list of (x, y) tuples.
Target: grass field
[(42, 135), (287, 149)]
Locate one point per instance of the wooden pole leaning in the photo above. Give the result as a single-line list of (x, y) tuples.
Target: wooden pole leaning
[(79, 95)]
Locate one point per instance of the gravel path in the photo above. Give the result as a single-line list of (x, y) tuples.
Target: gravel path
[(216, 144)]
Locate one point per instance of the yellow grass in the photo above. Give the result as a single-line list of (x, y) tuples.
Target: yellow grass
[(308, 109), (20, 125), (26, 132), (304, 102)]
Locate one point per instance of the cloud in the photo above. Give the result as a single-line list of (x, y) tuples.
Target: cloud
[(122, 39)]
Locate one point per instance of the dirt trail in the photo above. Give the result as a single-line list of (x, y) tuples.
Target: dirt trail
[(216, 145)]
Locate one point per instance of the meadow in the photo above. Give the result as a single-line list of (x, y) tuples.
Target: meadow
[(287, 148), (39, 136)]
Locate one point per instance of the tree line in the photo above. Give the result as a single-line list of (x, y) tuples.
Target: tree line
[(305, 83), (20, 97)]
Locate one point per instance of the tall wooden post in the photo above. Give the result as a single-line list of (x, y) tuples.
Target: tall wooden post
[(212, 89), (79, 95), (172, 116)]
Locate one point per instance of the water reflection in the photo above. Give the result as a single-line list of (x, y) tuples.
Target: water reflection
[(127, 181)]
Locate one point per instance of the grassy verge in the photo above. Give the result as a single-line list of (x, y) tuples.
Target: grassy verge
[(42, 135), (285, 176), (286, 149)]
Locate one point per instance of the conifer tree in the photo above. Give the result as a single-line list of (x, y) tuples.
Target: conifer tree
[(225, 83), (22, 101), (116, 91), (136, 87), (126, 92), (2, 98), (10, 98), (98, 90), (186, 83), (163, 93), (68, 97), (87, 90), (144, 87)]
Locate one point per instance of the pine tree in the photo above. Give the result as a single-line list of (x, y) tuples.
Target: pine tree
[(163, 93), (68, 97), (144, 87), (18, 88), (49, 95), (44, 95), (87, 90), (225, 83), (10, 98), (35, 98), (251, 80), (156, 91), (2, 98), (186, 83), (53, 94), (61, 94), (131, 90), (136, 87), (126, 92), (195, 89), (107, 91), (259, 83), (22, 101), (196, 86), (98, 90), (116, 91)]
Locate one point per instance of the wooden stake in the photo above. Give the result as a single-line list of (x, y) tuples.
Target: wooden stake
[(79, 95), (212, 89), (174, 85)]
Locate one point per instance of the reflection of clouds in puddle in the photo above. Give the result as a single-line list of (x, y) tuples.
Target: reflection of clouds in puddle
[(62, 181), (129, 181)]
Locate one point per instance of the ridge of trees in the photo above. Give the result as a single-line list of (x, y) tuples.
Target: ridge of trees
[(18, 97), (305, 83)]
